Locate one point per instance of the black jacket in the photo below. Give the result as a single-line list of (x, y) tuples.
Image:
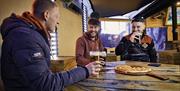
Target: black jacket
[(135, 51)]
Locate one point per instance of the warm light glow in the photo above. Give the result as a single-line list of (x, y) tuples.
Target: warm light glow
[(178, 3)]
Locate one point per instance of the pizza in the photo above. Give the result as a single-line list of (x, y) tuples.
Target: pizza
[(131, 69)]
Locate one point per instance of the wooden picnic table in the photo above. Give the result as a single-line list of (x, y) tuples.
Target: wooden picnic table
[(109, 80)]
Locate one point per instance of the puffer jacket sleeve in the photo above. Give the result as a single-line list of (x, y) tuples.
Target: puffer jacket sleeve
[(31, 63)]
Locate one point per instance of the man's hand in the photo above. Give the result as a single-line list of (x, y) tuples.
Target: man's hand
[(94, 68), (135, 36)]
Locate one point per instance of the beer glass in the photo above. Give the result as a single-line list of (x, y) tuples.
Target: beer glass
[(97, 55)]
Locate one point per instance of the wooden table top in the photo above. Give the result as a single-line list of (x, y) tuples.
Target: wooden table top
[(109, 80)]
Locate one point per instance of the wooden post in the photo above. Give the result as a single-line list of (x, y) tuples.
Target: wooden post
[(174, 21)]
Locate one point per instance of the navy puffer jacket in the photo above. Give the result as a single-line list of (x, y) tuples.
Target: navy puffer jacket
[(26, 59)]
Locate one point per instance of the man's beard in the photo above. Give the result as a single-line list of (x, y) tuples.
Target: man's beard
[(92, 34)]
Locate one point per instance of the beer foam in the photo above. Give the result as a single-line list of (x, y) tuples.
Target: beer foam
[(98, 53)]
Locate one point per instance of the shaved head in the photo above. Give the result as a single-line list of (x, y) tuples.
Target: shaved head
[(40, 6)]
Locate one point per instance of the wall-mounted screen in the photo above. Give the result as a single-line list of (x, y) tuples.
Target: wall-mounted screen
[(112, 32), (159, 36)]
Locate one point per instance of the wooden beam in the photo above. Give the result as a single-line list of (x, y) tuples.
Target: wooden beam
[(116, 20)]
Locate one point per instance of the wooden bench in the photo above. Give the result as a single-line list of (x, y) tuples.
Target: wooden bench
[(63, 64), (169, 56)]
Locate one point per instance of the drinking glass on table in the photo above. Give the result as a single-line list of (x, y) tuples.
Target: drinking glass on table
[(98, 57)]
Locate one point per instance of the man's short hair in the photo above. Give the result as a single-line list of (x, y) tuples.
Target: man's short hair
[(138, 19), (94, 22), (40, 6)]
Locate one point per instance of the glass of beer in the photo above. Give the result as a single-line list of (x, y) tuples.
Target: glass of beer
[(97, 55), (103, 55), (94, 56), (138, 38)]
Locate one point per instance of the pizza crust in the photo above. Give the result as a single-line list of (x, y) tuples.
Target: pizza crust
[(131, 69)]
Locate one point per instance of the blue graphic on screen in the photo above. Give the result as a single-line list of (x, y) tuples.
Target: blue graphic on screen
[(159, 37), (112, 32), (110, 40)]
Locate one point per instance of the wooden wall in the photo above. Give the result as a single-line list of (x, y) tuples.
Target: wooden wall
[(69, 29), (154, 22)]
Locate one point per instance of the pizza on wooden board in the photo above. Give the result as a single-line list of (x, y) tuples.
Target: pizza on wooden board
[(131, 69)]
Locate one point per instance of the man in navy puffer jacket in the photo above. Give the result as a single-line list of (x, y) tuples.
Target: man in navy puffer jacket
[(26, 54)]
